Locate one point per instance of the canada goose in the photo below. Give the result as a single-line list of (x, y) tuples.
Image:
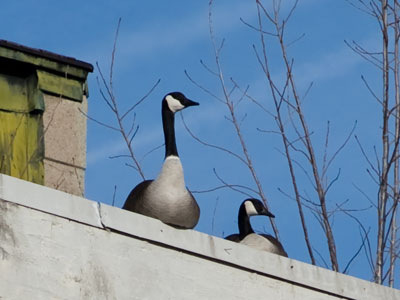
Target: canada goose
[(166, 198), (253, 207)]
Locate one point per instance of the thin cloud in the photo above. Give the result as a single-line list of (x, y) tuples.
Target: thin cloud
[(179, 33), (328, 66), (333, 64)]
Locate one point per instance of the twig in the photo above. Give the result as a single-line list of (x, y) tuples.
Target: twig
[(114, 195)]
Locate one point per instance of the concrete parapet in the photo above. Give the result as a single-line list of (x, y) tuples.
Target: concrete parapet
[(54, 245)]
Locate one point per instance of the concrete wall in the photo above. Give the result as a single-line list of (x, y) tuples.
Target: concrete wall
[(55, 245)]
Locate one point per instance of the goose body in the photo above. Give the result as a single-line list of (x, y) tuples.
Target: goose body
[(166, 198), (247, 236), (264, 242)]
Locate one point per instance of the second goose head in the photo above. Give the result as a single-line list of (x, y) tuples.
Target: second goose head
[(249, 208), (254, 207)]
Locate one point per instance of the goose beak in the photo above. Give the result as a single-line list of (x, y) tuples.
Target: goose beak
[(266, 212), (189, 102)]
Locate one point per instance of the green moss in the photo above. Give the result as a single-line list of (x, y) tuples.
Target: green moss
[(60, 86), (44, 63), (22, 146), (18, 94), (21, 134)]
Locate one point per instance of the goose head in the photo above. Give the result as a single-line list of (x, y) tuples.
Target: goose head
[(254, 207), (249, 208), (177, 101)]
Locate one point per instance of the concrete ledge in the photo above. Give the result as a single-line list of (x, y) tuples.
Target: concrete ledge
[(142, 258), (244, 257), (49, 200)]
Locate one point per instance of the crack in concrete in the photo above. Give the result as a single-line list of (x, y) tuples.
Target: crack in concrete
[(99, 215)]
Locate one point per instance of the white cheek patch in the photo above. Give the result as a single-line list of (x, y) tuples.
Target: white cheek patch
[(173, 104), (250, 209)]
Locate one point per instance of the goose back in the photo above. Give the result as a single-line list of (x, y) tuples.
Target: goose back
[(264, 242)]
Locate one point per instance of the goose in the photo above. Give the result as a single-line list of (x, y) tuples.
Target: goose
[(166, 198), (247, 236)]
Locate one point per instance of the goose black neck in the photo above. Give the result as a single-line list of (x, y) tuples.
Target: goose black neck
[(168, 120), (244, 223)]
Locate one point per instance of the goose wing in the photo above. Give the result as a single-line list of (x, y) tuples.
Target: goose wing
[(233, 237), (136, 195), (276, 243)]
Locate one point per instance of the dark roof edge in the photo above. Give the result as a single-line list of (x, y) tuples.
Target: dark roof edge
[(47, 54)]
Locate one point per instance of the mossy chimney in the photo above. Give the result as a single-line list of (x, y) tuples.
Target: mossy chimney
[(43, 101)]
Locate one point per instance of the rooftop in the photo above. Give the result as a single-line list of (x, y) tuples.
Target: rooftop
[(57, 245), (47, 54)]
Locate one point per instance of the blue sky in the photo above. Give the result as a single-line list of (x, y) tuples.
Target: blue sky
[(161, 39)]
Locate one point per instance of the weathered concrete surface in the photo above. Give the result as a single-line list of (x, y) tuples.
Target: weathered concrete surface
[(65, 125), (65, 144), (58, 246), (70, 179)]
